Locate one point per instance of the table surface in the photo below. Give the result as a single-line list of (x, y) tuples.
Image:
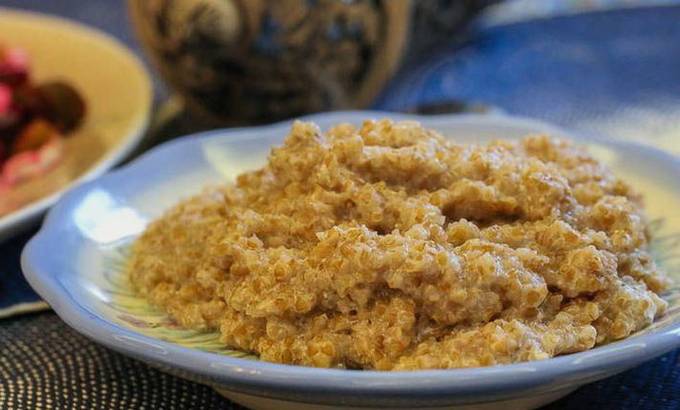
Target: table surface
[(45, 364)]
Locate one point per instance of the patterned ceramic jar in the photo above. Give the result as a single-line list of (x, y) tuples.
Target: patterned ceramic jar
[(252, 61)]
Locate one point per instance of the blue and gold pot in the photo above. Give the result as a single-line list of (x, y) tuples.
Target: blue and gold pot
[(249, 61)]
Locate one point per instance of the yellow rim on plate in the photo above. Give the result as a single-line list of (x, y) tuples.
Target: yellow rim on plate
[(117, 90)]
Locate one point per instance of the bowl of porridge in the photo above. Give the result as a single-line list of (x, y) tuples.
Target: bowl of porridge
[(373, 259)]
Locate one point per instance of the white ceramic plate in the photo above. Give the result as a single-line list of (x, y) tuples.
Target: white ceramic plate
[(74, 262), (117, 91)]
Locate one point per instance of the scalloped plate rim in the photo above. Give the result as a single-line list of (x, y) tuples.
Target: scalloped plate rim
[(464, 385)]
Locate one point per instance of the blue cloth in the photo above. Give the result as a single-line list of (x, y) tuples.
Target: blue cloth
[(612, 72), (14, 289)]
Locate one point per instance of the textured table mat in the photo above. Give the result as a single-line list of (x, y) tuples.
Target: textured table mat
[(46, 365), (614, 73)]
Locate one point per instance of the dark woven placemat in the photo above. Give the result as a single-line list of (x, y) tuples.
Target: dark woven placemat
[(46, 365)]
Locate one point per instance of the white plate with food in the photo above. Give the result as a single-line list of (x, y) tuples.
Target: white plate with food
[(73, 103), (375, 264)]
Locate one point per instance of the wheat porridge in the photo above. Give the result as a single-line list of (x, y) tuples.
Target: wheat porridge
[(389, 247)]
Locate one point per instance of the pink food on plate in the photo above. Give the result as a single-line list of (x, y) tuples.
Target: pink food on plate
[(29, 164)]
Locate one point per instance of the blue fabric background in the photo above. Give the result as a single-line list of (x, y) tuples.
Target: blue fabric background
[(585, 72), (13, 287)]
